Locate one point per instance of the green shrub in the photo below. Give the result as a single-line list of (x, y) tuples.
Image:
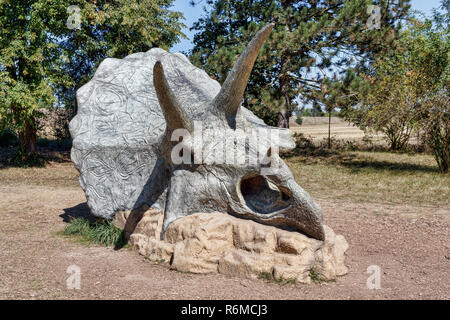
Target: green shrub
[(8, 138), (269, 277), (21, 159), (65, 143), (299, 120), (43, 142), (316, 277)]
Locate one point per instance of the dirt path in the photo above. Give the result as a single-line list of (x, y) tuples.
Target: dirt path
[(409, 244)]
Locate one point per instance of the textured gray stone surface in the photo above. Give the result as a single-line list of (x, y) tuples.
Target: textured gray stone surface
[(121, 144)]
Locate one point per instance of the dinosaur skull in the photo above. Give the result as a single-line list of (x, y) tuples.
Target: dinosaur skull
[(246, 177), (153, 129)]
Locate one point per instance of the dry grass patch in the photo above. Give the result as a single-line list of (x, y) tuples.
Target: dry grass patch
[(57, 170), (373, 177), (54, 174), (357, 176)]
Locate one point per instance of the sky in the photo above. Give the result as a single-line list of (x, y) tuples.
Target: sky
[(192, 14)]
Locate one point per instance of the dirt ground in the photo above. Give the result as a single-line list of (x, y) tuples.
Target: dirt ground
[(410, 244)]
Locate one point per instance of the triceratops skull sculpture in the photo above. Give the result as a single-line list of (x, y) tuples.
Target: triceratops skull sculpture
[(124, 144)]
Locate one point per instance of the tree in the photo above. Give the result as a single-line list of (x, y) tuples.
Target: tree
[(313, 43), (316, 110), (428, 46), (432, 47), (436, 122), (27, 61), (44, 59), (408, 89), (387, 101)]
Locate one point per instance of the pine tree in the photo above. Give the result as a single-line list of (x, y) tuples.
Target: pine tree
[(314, 42)]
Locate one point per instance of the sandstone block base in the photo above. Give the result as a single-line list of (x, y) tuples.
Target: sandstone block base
[(220, 243)]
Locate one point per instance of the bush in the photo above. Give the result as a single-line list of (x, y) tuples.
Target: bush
[(303, 142), (268, 115), (8, 138), (64, 144), (299, 120), (437, 138), (43, 142), (21, 159), (306, 146)]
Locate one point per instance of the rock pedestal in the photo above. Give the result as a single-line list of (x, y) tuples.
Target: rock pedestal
[(220, 243)]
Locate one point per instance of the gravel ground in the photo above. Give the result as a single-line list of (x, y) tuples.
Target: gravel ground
[(409, 244)]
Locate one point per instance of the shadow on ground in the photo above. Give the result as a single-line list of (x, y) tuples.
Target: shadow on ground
[(79, 211), (44, 155), (356, 163), (94, 230)]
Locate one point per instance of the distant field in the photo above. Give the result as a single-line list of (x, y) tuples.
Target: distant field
[(317, 128), (315, 121)]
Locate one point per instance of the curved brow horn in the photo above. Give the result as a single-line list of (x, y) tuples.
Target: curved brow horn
[(176, 117), (230, 96)]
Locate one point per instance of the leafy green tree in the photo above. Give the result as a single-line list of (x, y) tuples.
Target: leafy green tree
[(316, 110), (48, 50), (387, 101), (116, 29), (303, 112), (408, 89), (314, 42), (428, 46)]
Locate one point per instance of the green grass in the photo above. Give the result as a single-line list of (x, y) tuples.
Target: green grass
[(103, 233), (269, 277), (317, 278), (373, 177)]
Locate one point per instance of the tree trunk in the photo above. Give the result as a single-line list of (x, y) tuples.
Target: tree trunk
[(329, 129), (27, 138), (285, 68)]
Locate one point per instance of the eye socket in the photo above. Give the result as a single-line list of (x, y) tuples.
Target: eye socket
[(252, 185), (262, 196), (284, 196)]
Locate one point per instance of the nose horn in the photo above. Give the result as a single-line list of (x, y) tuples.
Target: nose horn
[(306, 214)]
